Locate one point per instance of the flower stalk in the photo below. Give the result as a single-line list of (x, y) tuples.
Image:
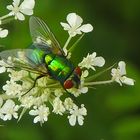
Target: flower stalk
[(98, 83), (66, 45), (5, 16)]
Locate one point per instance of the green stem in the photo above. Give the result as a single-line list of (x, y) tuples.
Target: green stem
[(66, 44), (5, 21), (74, 45), (98, 83), (5, 16), (53, 85), (91, 78)]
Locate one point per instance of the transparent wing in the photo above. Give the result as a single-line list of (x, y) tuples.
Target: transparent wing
[(25, 59), (41, 34)]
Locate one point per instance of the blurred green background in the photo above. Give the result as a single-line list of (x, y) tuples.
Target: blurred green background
[(113, 111)]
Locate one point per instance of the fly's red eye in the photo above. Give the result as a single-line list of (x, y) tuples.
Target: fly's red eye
[(78, 71), (68, 84)]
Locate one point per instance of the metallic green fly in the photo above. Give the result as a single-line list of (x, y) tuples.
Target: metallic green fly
[(45, 57)]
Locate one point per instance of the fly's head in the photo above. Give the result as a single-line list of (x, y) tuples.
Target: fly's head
[(74, 79)]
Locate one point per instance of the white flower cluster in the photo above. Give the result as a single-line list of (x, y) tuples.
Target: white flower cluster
[(36, 101), (48, 96), (18, 10)]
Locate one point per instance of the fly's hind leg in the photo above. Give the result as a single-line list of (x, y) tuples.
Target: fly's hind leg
[(40, 76)]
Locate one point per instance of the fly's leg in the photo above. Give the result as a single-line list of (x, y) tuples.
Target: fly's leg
[(71, 96), (40, 76)]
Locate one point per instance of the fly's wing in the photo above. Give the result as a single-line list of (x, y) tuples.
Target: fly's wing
[(25, 59), (41, 35)]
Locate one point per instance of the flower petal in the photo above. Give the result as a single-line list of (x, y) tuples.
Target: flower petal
[(20, 16), (16, 2), (3, 33), (33, 112), (74, 20), (9, 7), (84, 89), (80, 120), (27, 4), (122, 68), (86, 28), (65, 25), (36, 119), (27, 11), (99, 61), (79, 21), (72, 120), (127, 81)]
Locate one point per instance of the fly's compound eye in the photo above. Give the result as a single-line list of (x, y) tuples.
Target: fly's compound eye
[(68, 84), (78, 71)]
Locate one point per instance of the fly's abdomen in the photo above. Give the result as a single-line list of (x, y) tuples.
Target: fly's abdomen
[(59, 67)]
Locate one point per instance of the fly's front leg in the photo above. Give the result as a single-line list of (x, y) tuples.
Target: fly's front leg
[(40, 76)]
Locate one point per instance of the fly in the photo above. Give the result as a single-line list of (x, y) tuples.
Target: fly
[(45, 57)]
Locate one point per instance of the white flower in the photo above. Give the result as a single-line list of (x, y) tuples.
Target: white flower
[(58, 92), (58, 106), (77, 114), (27, 101), (118, 74), (18, 10), (91, 61), (74, 25), (77, 91), (17, 75), (9, 109), (3, 33), (41, 113), (68, 103), (12, 88)]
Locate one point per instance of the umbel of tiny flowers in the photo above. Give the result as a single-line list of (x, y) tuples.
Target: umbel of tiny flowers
[(48, 96), (74, 27)]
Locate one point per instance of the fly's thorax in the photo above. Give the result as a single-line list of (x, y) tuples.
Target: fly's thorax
[(49, 58), (58, 67)]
